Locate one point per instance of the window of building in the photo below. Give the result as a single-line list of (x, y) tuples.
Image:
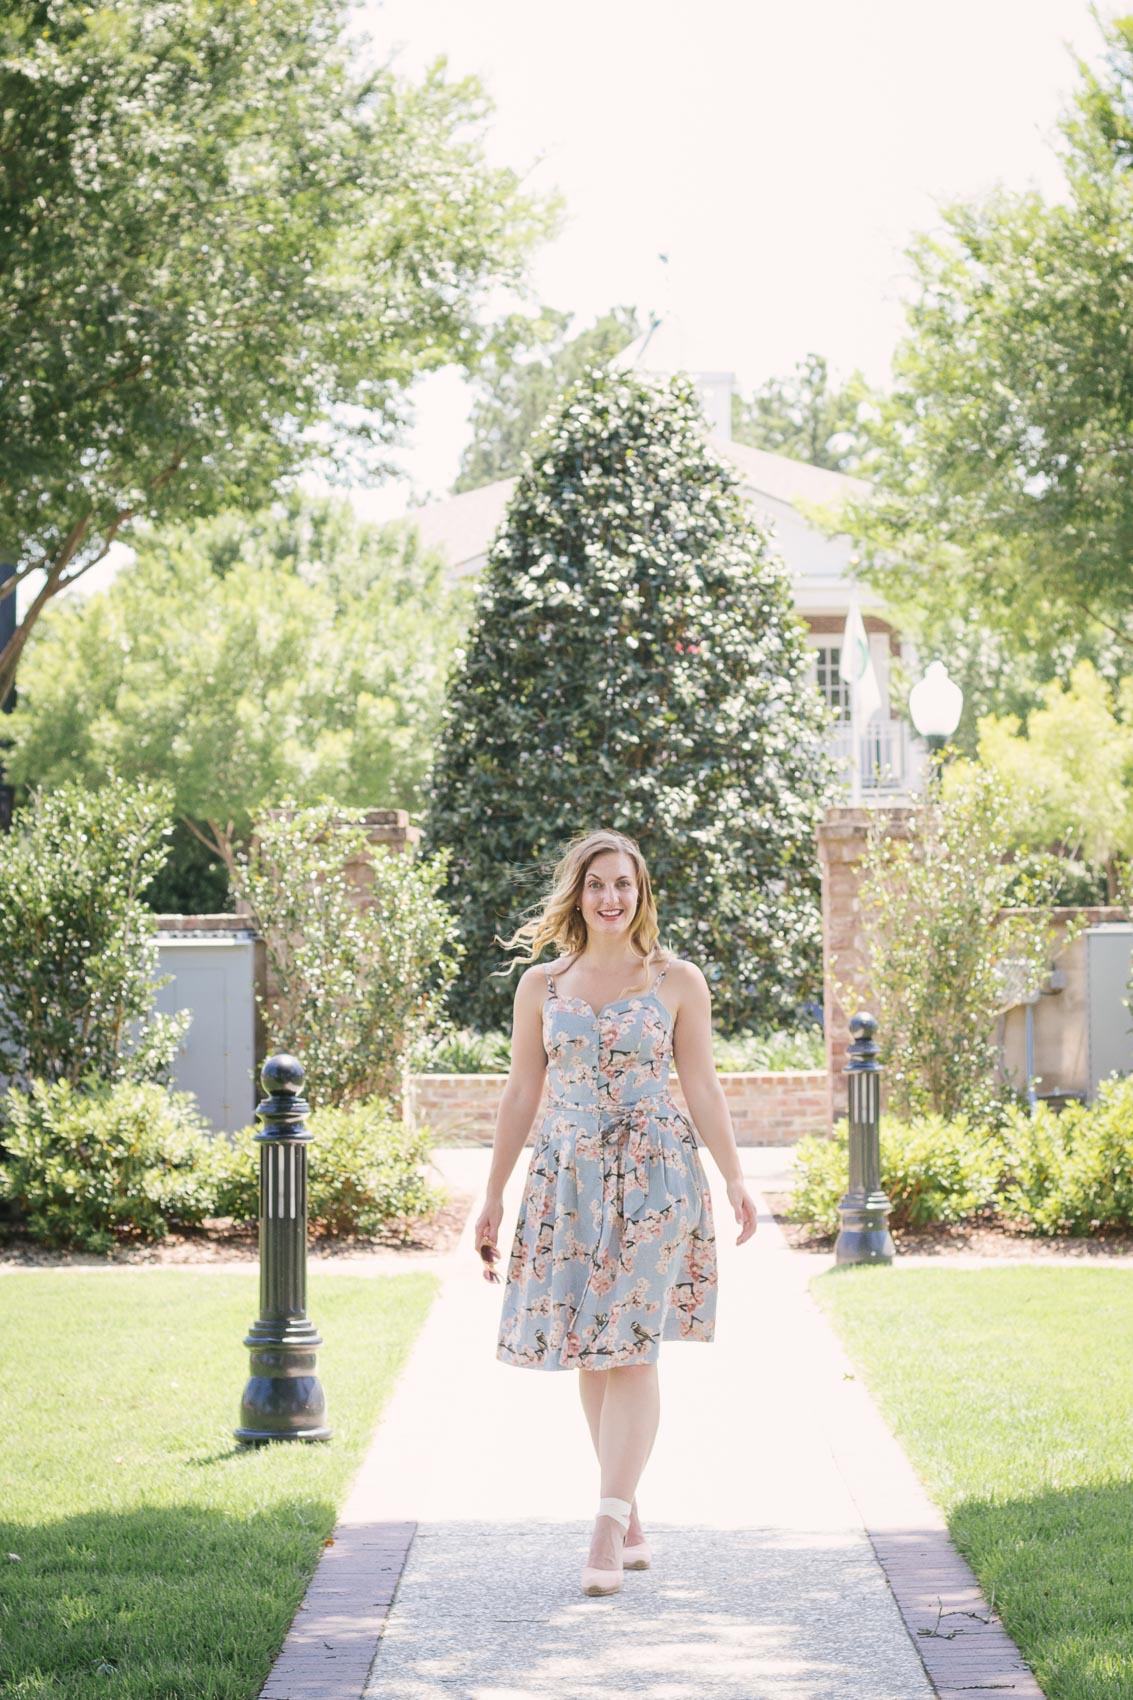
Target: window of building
[(830, 682)]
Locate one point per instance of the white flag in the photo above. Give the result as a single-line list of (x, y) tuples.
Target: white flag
[(855, 664)]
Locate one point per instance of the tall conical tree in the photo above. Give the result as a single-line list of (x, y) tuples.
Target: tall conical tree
[(635, 662)]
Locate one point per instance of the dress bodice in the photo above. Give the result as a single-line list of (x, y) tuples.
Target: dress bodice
[(617, 1056)]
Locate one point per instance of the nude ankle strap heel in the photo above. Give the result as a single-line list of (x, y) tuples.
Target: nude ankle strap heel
[(618, 1509), (594, 1580)]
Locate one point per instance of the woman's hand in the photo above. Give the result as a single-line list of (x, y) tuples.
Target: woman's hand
[(486, 1233), (743, 1204)]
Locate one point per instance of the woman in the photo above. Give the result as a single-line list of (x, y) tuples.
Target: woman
[(614, 1249)]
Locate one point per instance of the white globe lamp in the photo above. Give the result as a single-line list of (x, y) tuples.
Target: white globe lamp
[(935, 705)]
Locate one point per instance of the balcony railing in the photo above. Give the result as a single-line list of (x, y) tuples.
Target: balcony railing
[(891, 756)]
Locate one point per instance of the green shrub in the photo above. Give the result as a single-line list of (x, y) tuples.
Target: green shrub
[(770, 1050), (935, 1170), (364, 1172), (932, 1171), (78, 951), (84, 1167), (1072, 1172), (821, 1167), (464, 1051)]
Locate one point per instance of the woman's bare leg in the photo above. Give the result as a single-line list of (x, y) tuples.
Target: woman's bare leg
[(627, 1428), (592, 1387)]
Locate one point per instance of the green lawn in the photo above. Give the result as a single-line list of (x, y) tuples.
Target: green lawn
[(1012, 1392), (154, 1557)]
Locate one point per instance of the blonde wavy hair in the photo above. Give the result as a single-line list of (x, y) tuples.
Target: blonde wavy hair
[(558, 921)]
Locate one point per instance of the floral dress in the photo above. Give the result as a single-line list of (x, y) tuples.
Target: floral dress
[(614, 1249)]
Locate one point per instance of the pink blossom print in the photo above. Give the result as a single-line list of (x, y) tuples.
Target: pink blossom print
[(614, 1249)]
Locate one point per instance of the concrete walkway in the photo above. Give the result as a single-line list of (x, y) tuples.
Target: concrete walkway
[(765, 1583)]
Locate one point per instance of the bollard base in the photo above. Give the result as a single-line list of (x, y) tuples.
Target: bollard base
[(865, 1246), (864, 1236), (283, 1398), (262, 1437), (283, 1407)]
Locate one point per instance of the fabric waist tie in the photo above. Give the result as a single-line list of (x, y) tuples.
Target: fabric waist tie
[(626, 1128)]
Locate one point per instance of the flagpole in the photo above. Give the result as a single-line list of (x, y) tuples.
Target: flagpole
[(855, 748), (850, 671)]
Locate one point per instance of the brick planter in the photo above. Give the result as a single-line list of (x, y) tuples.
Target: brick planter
[(767, 1109)]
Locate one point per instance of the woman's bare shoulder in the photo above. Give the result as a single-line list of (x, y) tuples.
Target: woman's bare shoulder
[(681, 973), (536, 975)]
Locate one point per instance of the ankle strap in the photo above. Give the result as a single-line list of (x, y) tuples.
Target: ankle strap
[(619, 1509)]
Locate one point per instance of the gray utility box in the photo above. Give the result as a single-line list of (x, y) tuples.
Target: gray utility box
[(1109, 1024), (214, 979)]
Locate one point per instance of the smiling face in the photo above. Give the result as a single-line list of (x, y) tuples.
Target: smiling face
[(609, 894)]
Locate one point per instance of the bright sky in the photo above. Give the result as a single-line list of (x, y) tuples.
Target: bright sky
[(780, 154)]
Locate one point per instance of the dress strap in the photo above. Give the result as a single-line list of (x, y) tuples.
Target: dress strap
[(659, 978), (550, 981)]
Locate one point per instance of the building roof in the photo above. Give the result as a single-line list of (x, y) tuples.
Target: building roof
[(787, 480), (462, 528)]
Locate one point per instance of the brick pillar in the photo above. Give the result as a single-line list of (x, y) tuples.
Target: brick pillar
[(390, 829), (841, 844)]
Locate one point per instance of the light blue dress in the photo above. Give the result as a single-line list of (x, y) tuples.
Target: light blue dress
[(614, 1249)]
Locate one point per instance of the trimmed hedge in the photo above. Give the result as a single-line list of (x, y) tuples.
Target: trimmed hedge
[(99, 1166), (1071, 1172), (87, 1166), (364, 1172), (1068, 1172), (932, 1171)]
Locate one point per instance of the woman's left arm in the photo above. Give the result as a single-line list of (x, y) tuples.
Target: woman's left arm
[(703, 1093)]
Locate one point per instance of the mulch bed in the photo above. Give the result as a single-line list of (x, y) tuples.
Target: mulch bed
[(980, 1239), (221, 1241)]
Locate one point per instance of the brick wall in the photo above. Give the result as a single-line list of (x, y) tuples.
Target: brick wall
[(767, 1109)]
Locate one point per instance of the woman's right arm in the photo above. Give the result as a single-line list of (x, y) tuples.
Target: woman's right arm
[(518, 1101)]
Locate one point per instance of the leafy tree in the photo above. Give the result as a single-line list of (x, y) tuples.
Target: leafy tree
[(1069, 771), (519, 382), (806, 418), (78, 952), (1004, 455), (636, 662), (228, 250), (294, 652)]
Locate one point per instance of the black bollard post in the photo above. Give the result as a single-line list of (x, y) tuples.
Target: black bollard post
[(283, 1399), (864, 1236)]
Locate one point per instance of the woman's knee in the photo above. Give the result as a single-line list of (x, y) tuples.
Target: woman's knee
[(633, 1372)]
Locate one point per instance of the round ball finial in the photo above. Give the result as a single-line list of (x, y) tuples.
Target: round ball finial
[(282, 1073), (863, 1025)]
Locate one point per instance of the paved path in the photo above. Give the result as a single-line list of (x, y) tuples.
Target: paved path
[(765, 1585)]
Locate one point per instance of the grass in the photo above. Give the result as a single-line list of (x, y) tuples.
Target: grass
[(155, 1559), (1011, 1391)]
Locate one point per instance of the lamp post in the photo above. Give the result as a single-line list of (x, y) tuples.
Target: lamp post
[(864, 1236), (283, 1399), (935, 704)]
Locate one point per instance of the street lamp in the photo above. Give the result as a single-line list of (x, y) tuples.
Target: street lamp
[(935, 705)]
